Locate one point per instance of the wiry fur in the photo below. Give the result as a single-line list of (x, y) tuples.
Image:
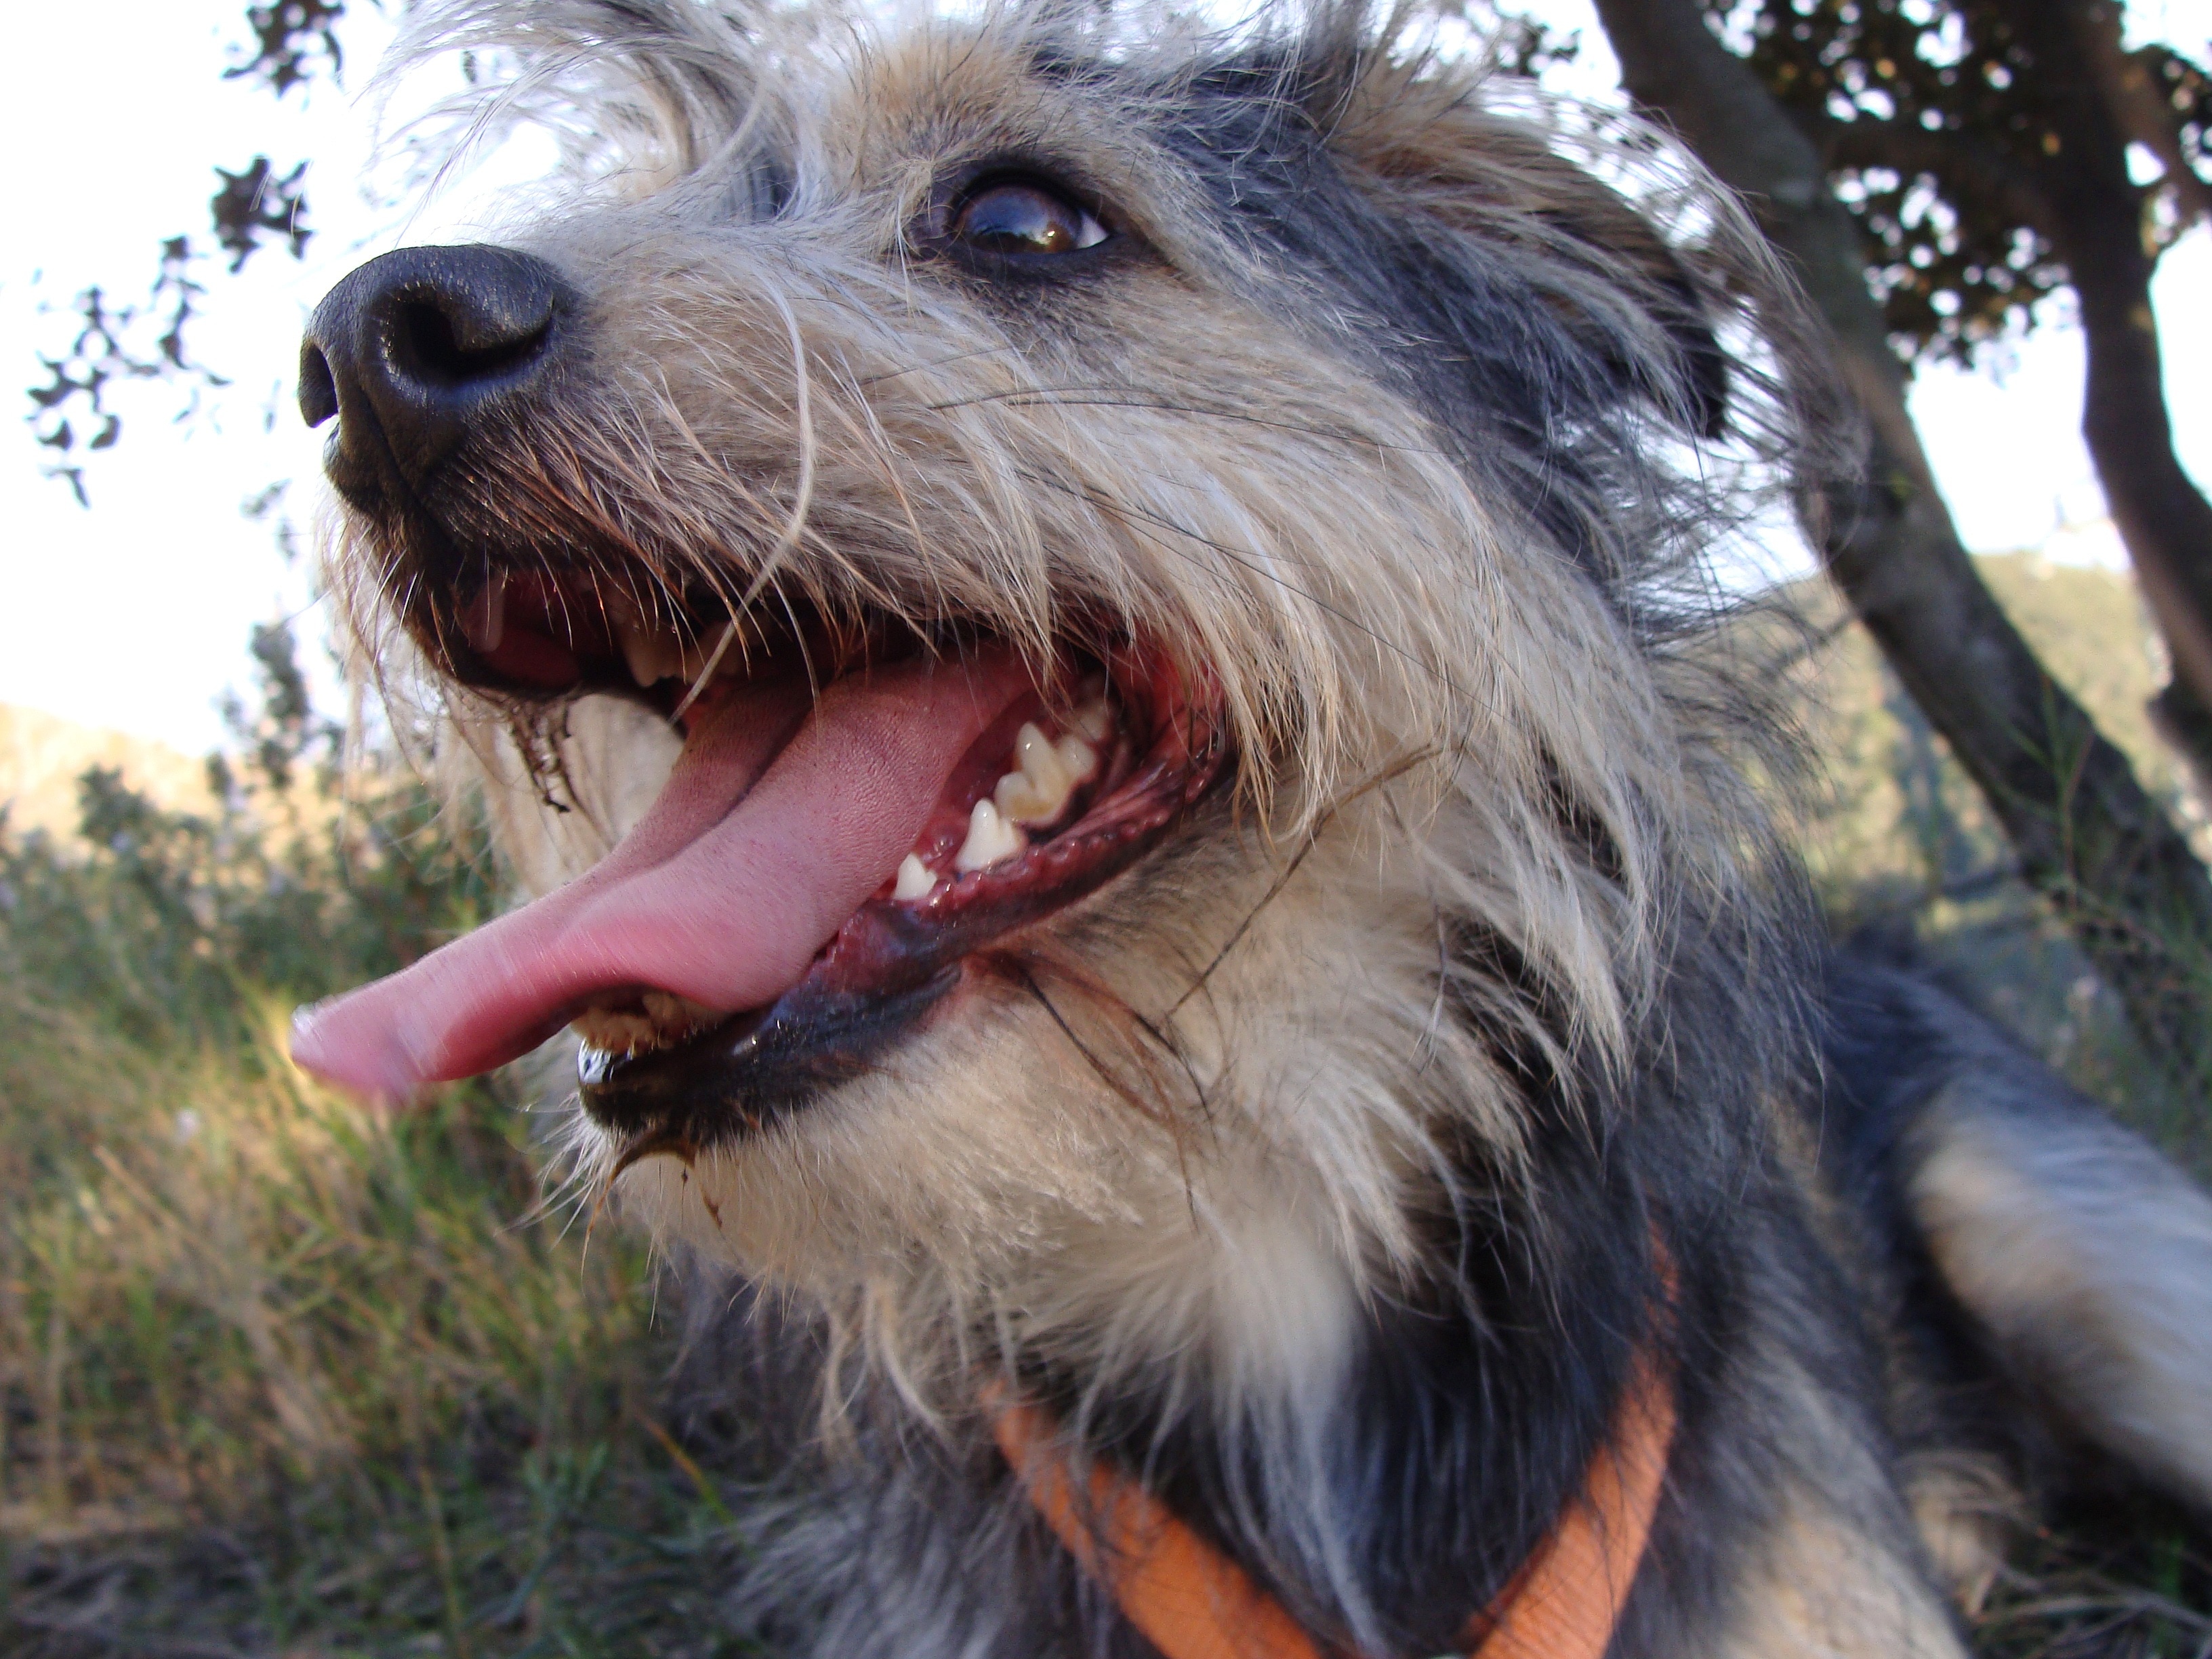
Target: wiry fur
[(1326, 1170)]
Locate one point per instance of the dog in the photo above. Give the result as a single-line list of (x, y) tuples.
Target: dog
[(1094, 631)]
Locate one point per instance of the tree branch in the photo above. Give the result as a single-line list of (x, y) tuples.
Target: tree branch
[(2086, 833), (2124, 79), (1964, 165), (2098, 230)]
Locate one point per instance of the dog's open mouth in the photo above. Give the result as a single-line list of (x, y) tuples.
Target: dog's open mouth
[(854, 813)]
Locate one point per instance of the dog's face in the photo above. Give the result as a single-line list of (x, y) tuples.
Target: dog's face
[(1106, 582)]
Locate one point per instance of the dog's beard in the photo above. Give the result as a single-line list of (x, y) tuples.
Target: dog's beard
[(1106, 1162), (1271, 1015), (1455, 807)]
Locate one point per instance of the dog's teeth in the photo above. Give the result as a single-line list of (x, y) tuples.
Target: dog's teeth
[(637, 652), (695, 658), (485, 622), (916, 880), (1078, 757), (991, 840), (1039, 762), (651, 656), (1037, 792), (1093, 720)]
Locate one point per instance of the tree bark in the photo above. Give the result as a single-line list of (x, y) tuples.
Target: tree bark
[(2095, 220), (2086, 833)]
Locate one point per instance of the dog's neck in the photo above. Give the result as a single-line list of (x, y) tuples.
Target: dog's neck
[(1478, 1407), (1192, 1602)]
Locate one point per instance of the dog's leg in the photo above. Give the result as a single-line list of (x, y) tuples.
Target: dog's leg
[(1826, 1593), (2086, 1256), (2083, 1255)]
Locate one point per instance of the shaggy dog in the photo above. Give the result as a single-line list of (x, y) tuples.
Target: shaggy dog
[(1095, 634)]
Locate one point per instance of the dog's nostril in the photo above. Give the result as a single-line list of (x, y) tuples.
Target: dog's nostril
[(423, 349), (439, 356), (318, 391)]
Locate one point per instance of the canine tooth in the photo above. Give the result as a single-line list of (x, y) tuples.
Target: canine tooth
[(485, 624), (651, 656), (676, 1015), (657, 1020), (1036, 792), (991, 840), (915, 880)]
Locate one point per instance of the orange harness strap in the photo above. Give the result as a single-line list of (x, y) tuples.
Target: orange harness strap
[(1192, 1603)]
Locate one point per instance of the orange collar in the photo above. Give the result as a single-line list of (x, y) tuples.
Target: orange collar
[(1192, 1602)]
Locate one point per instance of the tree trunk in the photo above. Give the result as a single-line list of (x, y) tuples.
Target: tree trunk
[(2086, 833), (2164, 520), (2095, 222)]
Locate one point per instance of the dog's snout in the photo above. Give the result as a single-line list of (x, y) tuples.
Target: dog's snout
[(417, 349)]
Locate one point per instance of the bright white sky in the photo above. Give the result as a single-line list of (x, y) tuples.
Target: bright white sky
[(135, 614)]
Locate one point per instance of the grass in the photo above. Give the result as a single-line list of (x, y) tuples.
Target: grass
[(277, 1377), (280, 1379), (2111, 1578)]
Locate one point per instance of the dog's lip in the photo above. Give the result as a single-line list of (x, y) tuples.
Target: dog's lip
[(766, 867)]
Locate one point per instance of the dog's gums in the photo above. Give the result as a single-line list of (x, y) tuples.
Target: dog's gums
[(814, 861)]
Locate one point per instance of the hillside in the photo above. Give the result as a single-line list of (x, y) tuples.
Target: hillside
[(42, 756), (1892, 810), (1896, 836)]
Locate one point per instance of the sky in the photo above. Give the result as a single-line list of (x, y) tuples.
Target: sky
[(134, 613)]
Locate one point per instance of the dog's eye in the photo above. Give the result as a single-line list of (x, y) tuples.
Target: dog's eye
[(1020, 216)]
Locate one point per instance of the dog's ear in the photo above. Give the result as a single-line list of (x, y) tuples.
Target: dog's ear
[(1434, 151)]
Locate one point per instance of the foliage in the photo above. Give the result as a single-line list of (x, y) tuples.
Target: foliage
[(71, 416), (1943, 132), (274, 1376), (256, 203), (1897, 836), (2120, 1579), (290, 37), (1517, 43), (282, 1379), (110, 346), (178, 921)]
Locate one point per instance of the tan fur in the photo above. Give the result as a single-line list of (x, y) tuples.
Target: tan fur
[(1967, 1510), (1824, 1594)]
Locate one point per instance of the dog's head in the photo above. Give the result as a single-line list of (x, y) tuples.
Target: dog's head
[(1113, 585)]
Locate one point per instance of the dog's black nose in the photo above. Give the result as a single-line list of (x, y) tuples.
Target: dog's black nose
[(417, 349)]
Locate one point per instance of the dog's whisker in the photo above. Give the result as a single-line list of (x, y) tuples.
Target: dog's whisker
[(870, 382), (1115, 398)]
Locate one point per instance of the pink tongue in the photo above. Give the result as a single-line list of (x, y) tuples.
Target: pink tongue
[(755, 852)]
